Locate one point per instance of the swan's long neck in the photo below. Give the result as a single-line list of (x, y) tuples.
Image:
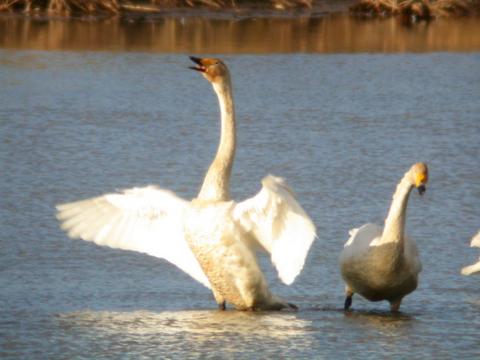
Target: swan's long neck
[(216, 185), (394, 229)]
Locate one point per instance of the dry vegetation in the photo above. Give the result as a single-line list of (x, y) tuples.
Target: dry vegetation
[(415, 9), (422, 9), (67, 7)]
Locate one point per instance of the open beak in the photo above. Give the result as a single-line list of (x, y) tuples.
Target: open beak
[(199, 66), (421, 189)]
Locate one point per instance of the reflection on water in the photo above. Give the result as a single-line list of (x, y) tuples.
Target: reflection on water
[(242, 35), (384, 322), (377, 321), (186, 332), (204, 323)]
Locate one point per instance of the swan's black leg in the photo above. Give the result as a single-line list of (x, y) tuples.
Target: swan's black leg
[(395, 306), (348, 298), (222, 306), (348, 302)]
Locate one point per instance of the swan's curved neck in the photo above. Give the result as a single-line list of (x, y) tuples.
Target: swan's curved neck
[(394, 229), (216, 184)]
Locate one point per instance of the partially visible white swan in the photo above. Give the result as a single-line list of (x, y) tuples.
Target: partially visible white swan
[(382, 263), (474, 268), (212, 238)]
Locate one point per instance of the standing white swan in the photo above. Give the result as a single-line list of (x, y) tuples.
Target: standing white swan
[(474, 268), (382, 263), (211, 238)]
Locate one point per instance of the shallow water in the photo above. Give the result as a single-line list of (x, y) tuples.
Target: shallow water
[(342, 129)]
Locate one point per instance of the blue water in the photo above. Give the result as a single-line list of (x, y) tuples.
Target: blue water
[(342, 129)]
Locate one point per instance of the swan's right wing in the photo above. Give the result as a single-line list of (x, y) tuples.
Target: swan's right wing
[(277, 223), (148, 220)]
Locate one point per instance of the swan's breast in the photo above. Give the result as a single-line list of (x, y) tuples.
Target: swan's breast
[(219, 246), (379, 275)]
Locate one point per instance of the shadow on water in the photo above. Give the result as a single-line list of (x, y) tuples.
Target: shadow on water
[(330, 34)]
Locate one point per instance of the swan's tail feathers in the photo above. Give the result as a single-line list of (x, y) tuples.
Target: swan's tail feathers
[(471, 269), (475, 242), (274, 303), (148, 220), (281, 305), (280, 226)]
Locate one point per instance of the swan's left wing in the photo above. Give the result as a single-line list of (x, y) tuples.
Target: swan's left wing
[(280, 226)]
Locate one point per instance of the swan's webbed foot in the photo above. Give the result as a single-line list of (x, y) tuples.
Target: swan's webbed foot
[(293, 306)]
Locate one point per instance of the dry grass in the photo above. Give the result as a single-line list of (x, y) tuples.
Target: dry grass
[(417, 9), (421, 9), (63, 7), (66, 7)]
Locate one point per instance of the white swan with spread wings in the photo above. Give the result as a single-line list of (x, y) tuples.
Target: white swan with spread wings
[(212, 238)]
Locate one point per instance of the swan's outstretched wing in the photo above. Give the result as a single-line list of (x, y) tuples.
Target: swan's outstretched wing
[(147, 220), (278, 223), (475, 268)]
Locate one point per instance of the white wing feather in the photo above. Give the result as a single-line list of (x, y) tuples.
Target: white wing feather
[(471, 269), (280, 226), (474, 268), (475, 240), (364, 236), (148, 220), (370, 235)]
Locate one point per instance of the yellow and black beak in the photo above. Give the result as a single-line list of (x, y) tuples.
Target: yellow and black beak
[(200, 67), (421, 189), (420, 181)]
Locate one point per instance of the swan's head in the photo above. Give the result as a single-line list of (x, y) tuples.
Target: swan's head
[(419, 175), (214, 70)]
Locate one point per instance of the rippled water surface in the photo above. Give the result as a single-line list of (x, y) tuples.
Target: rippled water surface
[(342, 129)]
